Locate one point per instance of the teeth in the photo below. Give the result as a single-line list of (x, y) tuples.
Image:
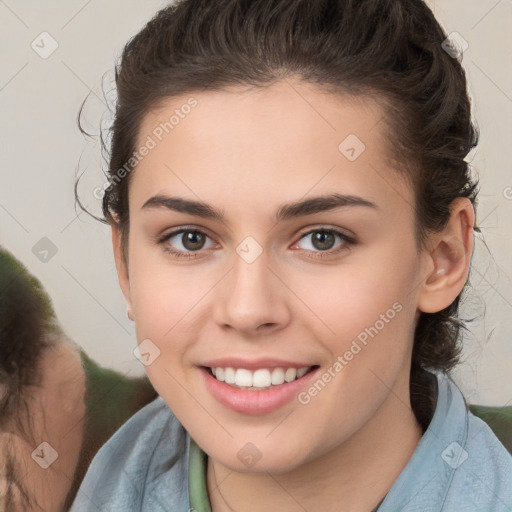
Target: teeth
[(262, 378), (277, 376), (229, 376), (301, 372), (290, 374), (243, 377)]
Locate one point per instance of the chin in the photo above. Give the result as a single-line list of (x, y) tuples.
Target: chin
[(251, 460)]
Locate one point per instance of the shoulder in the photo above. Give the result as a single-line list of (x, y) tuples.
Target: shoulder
[(482, 470), (143, 466), (459, 464)]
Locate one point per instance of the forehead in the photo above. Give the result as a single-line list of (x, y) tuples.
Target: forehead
[(282, 141), (302, 109)]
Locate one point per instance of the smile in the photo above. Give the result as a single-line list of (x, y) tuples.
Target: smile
[(257, 391), (260, 379)]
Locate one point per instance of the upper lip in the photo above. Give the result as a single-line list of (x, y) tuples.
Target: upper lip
[(256, 364)]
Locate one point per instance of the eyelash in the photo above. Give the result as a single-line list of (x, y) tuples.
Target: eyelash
[(347, 242)]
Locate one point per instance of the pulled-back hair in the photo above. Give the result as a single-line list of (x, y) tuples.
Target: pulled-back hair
[(389, 50)]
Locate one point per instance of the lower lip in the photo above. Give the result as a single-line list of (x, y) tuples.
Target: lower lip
[(255, 402)]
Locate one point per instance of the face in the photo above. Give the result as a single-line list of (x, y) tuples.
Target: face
[(264, 286)]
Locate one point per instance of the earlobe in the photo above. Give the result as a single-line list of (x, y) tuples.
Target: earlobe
[(451, 258), (121, 267)]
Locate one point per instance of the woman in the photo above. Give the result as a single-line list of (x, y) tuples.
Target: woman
[(292, 221)]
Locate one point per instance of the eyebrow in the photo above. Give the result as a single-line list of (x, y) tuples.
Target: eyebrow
[(284, 212)]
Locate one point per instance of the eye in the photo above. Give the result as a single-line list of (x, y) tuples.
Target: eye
[(190, 242), (323, 242), (184, 242)]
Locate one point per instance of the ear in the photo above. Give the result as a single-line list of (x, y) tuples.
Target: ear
[(449, 258), (121, 266)]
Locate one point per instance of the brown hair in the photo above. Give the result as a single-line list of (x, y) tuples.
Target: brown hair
[(390, 50)]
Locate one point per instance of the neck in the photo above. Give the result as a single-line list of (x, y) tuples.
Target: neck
[(354, 476)]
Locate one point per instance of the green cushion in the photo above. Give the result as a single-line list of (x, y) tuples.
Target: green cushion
[(499, 419)]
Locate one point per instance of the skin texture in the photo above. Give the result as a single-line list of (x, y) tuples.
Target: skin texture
[(57, 409), (246, 152)]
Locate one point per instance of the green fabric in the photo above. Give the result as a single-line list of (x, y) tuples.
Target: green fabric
[(499, 419), (112, 397), (198, 494)]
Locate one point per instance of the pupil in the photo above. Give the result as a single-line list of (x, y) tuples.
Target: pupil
[(191, 239), (319, 240)]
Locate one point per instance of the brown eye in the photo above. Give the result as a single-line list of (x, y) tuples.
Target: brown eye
[(183, 243), (193, 240), (324, 241)]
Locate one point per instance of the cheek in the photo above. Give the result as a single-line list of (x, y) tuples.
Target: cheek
[(366, 328), (364, 318), (169, 306), (159, 292), (352, 297)]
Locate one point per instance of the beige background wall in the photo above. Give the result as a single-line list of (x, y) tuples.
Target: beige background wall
[(42, 149)]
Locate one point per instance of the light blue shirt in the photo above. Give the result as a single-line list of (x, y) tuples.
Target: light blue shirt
[(459, 465)]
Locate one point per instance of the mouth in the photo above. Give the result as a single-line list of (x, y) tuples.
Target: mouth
[(261, 379), (257, 391)]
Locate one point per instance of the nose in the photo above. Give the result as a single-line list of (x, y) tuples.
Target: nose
[(254, 300)]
